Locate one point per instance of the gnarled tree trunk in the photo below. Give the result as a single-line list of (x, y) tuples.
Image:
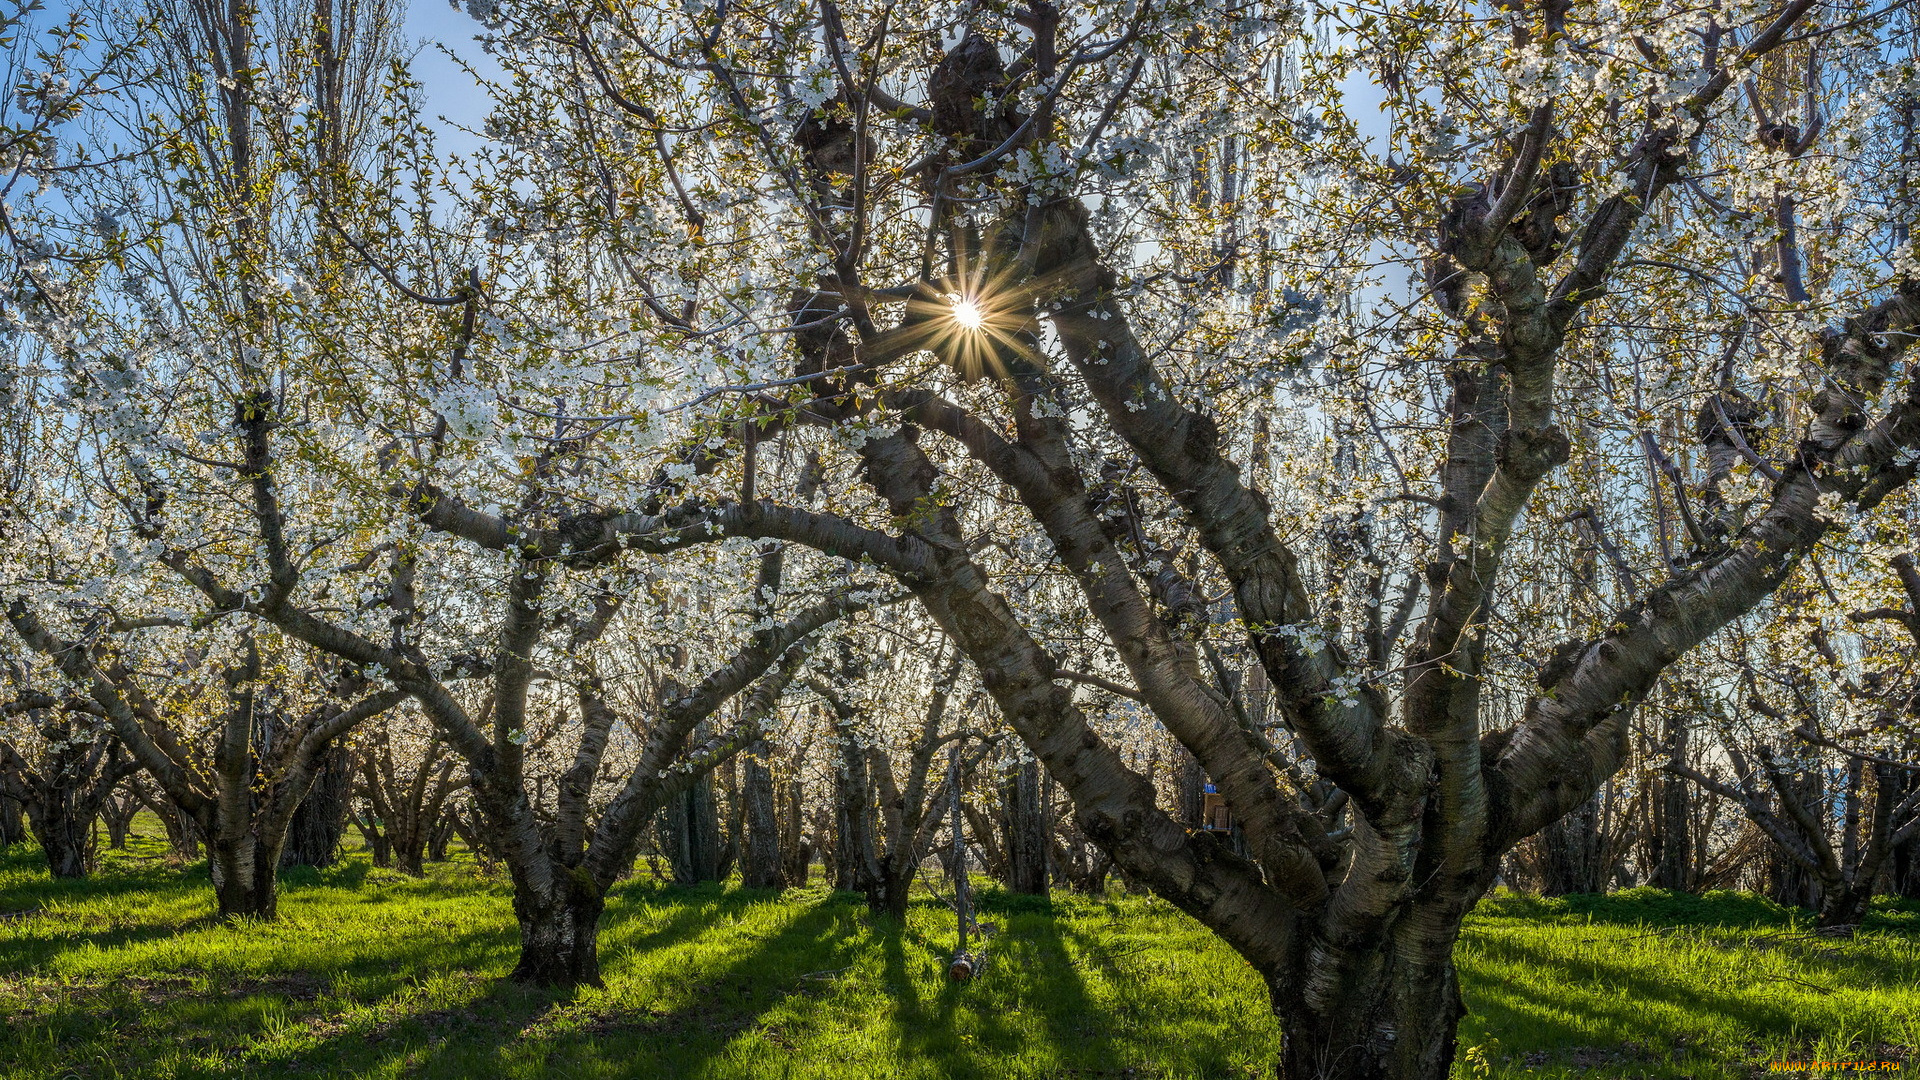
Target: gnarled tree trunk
[(1392, 1020), (559, 931)]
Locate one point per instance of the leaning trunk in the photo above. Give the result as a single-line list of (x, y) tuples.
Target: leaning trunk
[(559, 933)]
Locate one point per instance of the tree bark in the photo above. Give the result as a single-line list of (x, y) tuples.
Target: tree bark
[(313, 836), (1573, 848), (13, 825), (379, 844), (796, 851), (65, 833), (760, 863), (856, 863), (1671, 840), (559, 932), (117, 813), (244, 870), (438, 838), (690, 826), (1387, 1022), (1026, 828)]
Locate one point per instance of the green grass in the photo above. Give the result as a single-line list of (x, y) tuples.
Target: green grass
[(371, 974)]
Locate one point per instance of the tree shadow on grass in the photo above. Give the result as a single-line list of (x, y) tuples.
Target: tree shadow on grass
[(499, 1028), (1027, 1013), (1609, 994)]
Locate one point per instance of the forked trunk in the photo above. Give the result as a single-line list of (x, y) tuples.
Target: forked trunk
[(1388, 1022), (1843, 905), (65, 835), (119, 822), (559, 935)]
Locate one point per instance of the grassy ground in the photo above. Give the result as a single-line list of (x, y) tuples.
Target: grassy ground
[(372, 974)]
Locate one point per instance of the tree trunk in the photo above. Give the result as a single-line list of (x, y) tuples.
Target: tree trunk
[(117, 814), (1904, 870), (313, 836), (856, 863), (470, 833), (1389, 1024), (892, 887), (243, 871), (1670, 842), (379, 844), (438, 838), (559, 933), (1790, 883), (689, 830), (64, 832), (183, 836), (13, 826), (1026, 829), (796, 852), (1572, 847), (1189, 788), (760, 863), (1843, 905)]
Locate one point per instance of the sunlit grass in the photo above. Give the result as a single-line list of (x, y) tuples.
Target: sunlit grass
[(369, 973)]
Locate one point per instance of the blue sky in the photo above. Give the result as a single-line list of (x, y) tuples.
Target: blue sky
[(438, 28)]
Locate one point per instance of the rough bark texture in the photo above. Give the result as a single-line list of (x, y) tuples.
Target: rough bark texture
[(244, 872), (690, 831), (65, 834), (559, 933), (1026, 842), (1574, 850), (761, 865), (313, 836)]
